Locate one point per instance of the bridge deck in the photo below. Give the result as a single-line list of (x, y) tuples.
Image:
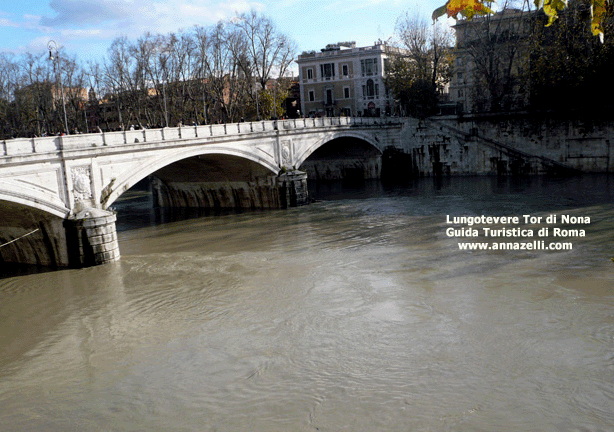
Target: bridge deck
[(52, 144)]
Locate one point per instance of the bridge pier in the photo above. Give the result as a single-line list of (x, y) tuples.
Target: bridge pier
[(293, 189), (289, 189), (91, 238)]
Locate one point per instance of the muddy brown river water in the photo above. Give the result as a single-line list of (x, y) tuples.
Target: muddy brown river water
[(355, 313)]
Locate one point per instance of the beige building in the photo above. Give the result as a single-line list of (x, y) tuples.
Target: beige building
[(343, 80)]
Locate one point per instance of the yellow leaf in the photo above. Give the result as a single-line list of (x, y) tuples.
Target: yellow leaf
[(597, 12), (467, 8), (551, 8)]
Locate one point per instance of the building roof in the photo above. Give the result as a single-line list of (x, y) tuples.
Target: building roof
[(335, 51)]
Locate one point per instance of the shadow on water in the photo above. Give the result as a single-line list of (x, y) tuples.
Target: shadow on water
[(426, 196), (137, 211), (537, 191), (474, 196), (9, 270)]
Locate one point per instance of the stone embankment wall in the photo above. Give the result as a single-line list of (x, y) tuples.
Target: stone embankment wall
[(503, 146)]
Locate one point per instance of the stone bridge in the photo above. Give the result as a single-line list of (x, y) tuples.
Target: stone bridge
[(55, 192)]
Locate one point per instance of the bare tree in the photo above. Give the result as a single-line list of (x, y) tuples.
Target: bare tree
[(203, 75), (9, 72), (270, 53), (117, 75), (496, 47), (419, 63)]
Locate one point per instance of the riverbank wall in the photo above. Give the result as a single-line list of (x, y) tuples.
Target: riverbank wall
[(502, 145)]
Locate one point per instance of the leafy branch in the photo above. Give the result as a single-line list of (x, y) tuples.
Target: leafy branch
[(470, 8)]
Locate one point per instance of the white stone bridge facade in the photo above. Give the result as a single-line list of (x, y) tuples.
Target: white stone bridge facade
[(55, 192)]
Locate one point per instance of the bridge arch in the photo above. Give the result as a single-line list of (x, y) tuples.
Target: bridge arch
[(330, 136), (31, 226), (342, 155), (121, 184), (25, 195)]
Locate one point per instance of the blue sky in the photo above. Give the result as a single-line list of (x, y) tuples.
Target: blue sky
[(85, 28)]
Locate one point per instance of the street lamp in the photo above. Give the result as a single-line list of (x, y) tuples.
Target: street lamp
[(53, 47)]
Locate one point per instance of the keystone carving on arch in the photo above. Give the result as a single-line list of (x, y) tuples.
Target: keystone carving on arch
[(81, 182)]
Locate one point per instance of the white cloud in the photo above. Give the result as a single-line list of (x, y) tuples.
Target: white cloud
[(77, 23), (38, 44), (87, 27), (84, 12), (354, 5), (82, 33), (5, 22), (159, 15)]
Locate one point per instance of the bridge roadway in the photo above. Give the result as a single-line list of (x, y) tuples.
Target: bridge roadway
[(55, 192)]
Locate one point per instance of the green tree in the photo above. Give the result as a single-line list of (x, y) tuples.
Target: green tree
[(568, 65), (272, 99)]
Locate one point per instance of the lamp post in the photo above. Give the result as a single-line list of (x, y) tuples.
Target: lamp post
[(53, 47)]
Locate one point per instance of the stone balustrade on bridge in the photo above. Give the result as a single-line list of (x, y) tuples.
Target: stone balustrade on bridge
[(50, 144)]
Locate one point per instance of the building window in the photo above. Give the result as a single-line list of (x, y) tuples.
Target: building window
[(376, 90), (459, 76), (369, 89), (346, 92), (309, 73), (327, 70), (312, 96), (329, 97), (368, 67), (460, 93), (345, 70)]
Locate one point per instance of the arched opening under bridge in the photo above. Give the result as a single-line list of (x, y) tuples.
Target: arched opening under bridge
[(31, 236), (214, 181), (344, 158)]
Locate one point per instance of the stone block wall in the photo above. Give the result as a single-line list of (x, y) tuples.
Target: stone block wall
[(92, 238), (504, 146), (293, 189), (258, 194)]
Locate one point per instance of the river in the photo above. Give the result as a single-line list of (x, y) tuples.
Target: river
[(355, 313)]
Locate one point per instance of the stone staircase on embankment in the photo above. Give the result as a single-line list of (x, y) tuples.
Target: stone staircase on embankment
[(547, 165)]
